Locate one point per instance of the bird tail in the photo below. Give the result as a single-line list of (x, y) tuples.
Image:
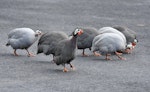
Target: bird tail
[(39, 51), (7, 44)]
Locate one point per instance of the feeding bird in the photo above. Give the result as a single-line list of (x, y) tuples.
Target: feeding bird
[(22, 38), (130, 37), (109, 41)]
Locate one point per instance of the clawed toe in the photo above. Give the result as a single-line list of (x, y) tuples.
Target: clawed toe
[(123, 58), (118, 53), (65, 70), (119, 56), (85, 55), (96, 54), (108, 59), (31, 55), (72, 67), (15, 53)]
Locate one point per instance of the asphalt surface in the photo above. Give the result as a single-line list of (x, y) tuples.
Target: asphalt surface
[(92, 74)]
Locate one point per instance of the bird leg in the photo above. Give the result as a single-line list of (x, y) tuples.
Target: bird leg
[(65, 69), (96, 54), (118, 53), (29, 54), (72, 67), (128, 51), (119, 56), (52, 61), (83, 54), (15, 53), (107, 57)]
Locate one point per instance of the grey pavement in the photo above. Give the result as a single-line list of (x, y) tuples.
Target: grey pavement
[(92, 74)]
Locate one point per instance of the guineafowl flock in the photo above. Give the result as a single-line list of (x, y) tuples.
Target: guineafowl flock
[(115, 40)]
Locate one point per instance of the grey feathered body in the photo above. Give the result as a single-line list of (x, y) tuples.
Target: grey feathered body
[(85, 40), (48, 42), (111, 30), (21, 38), (129, 34), (65, 51), (108, 43)]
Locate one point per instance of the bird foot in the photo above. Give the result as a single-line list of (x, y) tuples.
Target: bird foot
[(52, 61), (107, 58), (121, 58), (96, 54), (15, 54), (65, 70), (85, 55), (31, 55), (118, 53), (128, 51), (72, 67)]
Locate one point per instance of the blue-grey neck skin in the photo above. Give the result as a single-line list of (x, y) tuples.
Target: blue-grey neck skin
[(74, 41)]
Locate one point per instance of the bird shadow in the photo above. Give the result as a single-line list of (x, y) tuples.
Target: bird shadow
[(92, 57), (102, 59), (11, 55), (39, 62), (89, 55), (58, 71)]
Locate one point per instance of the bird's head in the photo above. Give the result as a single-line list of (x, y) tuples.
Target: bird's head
[(38, 32), (131, 46), (77, 32), (134, 42)]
